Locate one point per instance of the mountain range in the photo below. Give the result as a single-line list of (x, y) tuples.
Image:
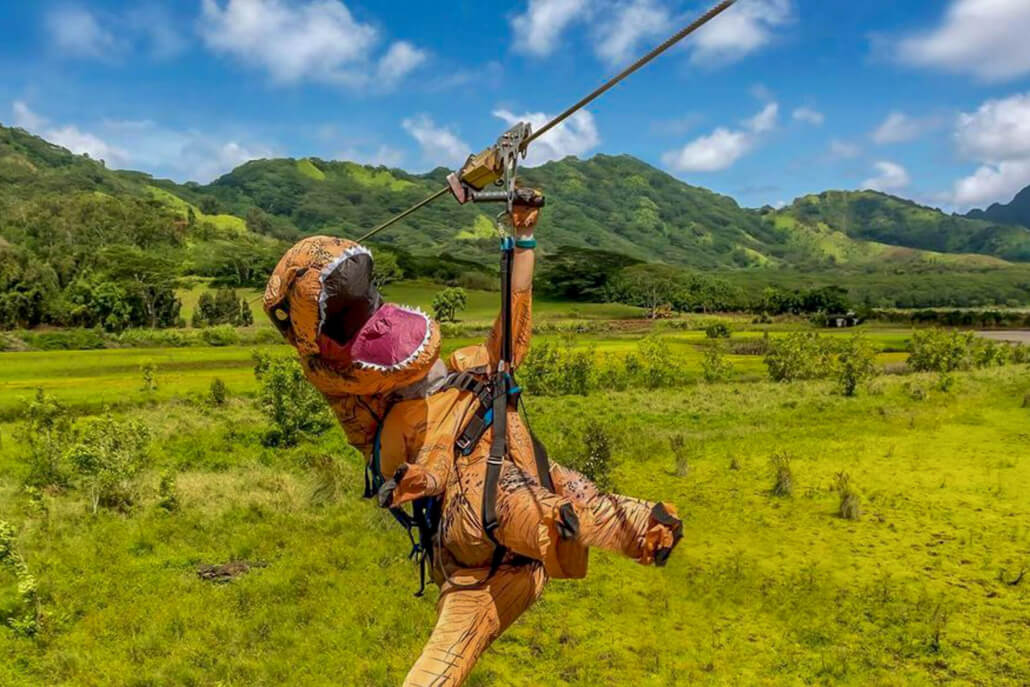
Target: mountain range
[(615, 203)]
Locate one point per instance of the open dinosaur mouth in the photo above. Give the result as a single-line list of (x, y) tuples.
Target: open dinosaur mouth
[(355, 325)]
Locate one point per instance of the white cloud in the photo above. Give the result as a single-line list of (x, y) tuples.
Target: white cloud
[(723, 147), (75, 31), (892, 177), (145, 145), (997, 136), (741, 30), (575, 136), (809, 116), (843, 149), (618, 38), (984, 38), (538, 29), (999, 130), (318, 40), (440, 146), (25, 118), (384, 155), (898, 127)]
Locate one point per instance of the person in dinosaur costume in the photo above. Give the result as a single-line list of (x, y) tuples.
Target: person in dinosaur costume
[(378, 366)]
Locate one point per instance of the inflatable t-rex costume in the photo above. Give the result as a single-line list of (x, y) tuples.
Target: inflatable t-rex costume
[(405, 409)]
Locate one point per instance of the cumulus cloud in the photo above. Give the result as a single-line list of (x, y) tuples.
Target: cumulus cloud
[(891, 178), (318, 40), (75, 31), (537, 30), (984, 38), (809, 116), (79, 32), (162, 151), (997, 136), (439, 145), (575, 136), (622, 27), (741, 30), (898, 127), (723, 147)]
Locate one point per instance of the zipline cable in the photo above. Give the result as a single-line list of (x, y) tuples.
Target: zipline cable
[(608, 85)]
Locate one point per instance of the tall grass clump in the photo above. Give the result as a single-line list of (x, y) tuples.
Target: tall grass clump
[(331, 479), (856, 364), (149, 373), (850, 506), (293, 406), (47, 432), (168, 493), (797, 356), (783, 474), (25, 621), (109, 457), (681, 451), (596, 461)]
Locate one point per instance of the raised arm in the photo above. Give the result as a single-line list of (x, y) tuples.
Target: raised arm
[(524, 221)]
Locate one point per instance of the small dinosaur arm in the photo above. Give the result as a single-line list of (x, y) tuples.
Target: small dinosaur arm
[(378, 364)]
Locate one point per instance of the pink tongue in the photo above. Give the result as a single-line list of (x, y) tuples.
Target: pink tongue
[(390, 337)]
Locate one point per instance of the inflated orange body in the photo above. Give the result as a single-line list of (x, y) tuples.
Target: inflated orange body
[(420, 432)]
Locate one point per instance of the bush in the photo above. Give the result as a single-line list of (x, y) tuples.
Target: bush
[(218, 392), (783, 475), (167, 493), (717, 330), (856, 364), (714, 365), (47, 432), (558, 369), (222, 335), (935, 350), (448, 303), (656, 367), (25, 623), (109, 456), (681, 452), (850, 507), (801, 355), (294, 407), (596, 462), (222, 307), (149, 373)]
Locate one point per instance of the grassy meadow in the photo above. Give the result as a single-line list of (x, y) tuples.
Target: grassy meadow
[(926, 587)]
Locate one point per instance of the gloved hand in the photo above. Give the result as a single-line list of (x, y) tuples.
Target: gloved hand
[(524, 218)]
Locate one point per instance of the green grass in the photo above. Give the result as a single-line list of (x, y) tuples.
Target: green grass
[(762, 591)]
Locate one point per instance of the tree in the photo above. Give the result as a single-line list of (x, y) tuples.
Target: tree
[(386, 270), (448, 303), (648, 286), (855, 364)]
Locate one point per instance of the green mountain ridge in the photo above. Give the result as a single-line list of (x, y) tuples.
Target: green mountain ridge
[(614, 203), (1015, 212)]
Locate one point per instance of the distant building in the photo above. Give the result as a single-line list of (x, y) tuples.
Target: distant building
[(843, 321)]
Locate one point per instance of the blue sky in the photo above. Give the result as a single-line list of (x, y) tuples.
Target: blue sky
[(928, 99)]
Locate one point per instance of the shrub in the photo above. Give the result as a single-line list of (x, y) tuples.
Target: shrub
[(783, 475), (448, 303), (856, 363), (801, 355), (25, 623), (992, 354), (556, 369), (149, 372), (168, 493), (935, 350), (657, 368), (222, 307), (294, 406), (717, 330), (681, 452), (714, 365), (850, 507), (109, 456), (47, 432), (218, 393), (596, 461), (222, 335)]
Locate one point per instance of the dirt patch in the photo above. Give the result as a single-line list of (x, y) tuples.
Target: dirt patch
[(1013, 335), (227, 572)]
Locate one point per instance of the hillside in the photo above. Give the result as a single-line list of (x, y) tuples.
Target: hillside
[(1016, 212), (884, 219)]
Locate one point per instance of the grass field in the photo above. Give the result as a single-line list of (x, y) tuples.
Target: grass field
[(923, 589)]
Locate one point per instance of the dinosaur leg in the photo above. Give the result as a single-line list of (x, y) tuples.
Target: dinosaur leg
[(470, 619), (644, 531)]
